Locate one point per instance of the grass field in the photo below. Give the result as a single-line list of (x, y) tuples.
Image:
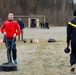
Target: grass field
[(43, 58)]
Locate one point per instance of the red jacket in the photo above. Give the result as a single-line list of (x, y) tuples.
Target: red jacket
[(10, 27)]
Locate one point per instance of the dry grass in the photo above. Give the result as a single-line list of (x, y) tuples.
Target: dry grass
[(43, 58)]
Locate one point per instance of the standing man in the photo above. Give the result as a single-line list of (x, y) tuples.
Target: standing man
[(71, 39), (21, 24), (10, 29), (47, 24)]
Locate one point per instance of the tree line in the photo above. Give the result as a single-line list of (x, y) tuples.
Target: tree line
[(58, 12)]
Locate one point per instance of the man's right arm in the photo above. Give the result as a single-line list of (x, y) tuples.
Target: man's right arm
[(69, 30)]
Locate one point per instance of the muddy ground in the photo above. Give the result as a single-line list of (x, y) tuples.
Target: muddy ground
[(43, 58)]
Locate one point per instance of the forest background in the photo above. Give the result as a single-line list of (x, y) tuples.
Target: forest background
[(58, 12)]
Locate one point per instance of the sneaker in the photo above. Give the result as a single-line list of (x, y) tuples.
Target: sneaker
[(72, 68), (15, 61)]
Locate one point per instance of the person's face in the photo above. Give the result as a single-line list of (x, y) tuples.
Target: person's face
[(19, 19), (10, 16)]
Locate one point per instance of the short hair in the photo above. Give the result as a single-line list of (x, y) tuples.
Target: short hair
[(10, 13)]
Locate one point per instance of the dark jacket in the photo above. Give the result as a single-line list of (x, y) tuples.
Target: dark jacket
[(71, 31), (21, 24)]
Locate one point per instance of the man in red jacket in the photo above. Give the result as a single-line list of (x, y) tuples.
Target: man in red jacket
[(10, 29)]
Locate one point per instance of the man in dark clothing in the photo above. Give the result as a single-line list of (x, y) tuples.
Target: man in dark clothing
[(21, 27), (71, 38), (47, 24)]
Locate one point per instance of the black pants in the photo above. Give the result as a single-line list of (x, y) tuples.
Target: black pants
[(73, 54), (11, 47)]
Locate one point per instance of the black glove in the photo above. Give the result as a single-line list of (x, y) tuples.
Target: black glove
[(67, 50)]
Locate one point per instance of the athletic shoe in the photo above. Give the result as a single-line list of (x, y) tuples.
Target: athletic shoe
[(72, 68), (15, 61)]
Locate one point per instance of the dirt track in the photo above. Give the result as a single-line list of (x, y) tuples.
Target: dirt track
[(43, 58)]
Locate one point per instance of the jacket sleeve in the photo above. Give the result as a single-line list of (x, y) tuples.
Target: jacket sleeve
[(17, 29), (22, 25), (69, 31)]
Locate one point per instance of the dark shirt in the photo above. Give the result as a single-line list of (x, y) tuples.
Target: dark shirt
[(21, 24), (71, 31)]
